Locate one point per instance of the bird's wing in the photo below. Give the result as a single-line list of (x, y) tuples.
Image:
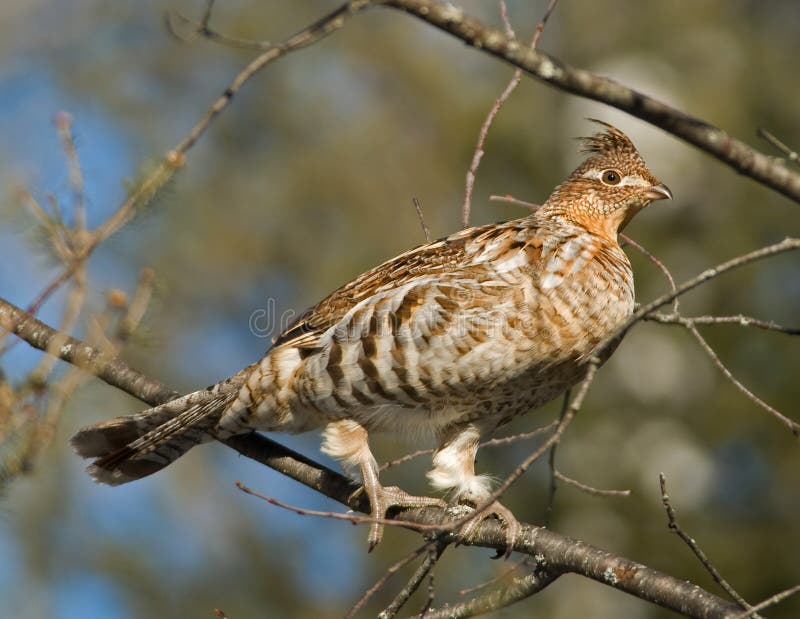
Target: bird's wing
[(462, 253)]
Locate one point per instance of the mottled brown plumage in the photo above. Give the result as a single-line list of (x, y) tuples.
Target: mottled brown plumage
[(451, 339)]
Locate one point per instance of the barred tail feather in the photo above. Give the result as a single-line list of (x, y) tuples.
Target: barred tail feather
[(129, 448)]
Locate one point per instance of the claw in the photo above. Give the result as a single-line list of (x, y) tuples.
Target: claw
[(502, 513), (382, 499)]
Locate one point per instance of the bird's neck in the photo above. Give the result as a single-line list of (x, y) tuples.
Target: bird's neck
[(555, 216)]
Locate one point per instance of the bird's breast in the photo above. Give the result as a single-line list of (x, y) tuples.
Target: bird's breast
[(581, 293)]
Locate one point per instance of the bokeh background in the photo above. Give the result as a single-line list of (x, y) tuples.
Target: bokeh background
[(305, 182)]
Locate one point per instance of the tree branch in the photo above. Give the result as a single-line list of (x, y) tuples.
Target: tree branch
[(698, 552), (434, 552), (707, 137)]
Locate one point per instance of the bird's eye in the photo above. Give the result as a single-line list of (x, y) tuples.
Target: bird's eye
[(610, 177)]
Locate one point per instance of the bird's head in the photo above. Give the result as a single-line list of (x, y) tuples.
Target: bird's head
[(609, 187)]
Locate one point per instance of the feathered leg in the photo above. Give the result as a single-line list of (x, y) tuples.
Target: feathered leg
[(454, 469), (346, 440)]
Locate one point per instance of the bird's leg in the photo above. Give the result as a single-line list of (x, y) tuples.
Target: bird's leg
[(346, 440), (454, 469)]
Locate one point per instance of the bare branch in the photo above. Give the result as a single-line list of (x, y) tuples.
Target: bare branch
[(558, 74), (513, 200), (522, 436), (434, 552), (590, 489), (135, 312), (78, 353), (739, 319), (661, 266), (351, 518), (494, 442), (770, 601), (393, 569), (495, 109), (792, 425), (788, 244), (175, 21), (698, 552), (791, 155), (64, 127), (425, 230), (551, 465)]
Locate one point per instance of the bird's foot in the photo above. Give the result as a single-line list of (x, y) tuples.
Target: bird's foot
[(502, 513), (384, 498)]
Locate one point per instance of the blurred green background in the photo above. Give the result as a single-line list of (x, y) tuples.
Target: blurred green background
[(305, 182)]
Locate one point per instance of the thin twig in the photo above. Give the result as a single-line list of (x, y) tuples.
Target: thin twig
[(425, 229), (661, 266), (202, 28), (690, 325), (512, 200), (791, 155), (431, 596), (792, 425), (698, 552), (786, 245), (64, 127), (739, 320), (551, 465), (351, 518), (522, 436), (406, 458), (69, 318), (434, 553), (494, 442), (137, 307), (393, 569), (590, 489), (770, 601), (495, 109)]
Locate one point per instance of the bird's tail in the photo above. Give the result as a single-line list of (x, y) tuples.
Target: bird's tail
[(129, 448)]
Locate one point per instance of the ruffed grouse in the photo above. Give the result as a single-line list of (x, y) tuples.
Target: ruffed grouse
[(453, 339)]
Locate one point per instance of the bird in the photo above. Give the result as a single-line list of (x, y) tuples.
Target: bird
[(452, 339)]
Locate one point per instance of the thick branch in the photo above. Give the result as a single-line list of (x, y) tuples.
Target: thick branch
[(548, 69), (553, 551)]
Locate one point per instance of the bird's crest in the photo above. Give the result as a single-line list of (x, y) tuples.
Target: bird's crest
[(610, 141)]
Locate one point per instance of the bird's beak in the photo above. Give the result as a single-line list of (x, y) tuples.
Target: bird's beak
[(659, 192)]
